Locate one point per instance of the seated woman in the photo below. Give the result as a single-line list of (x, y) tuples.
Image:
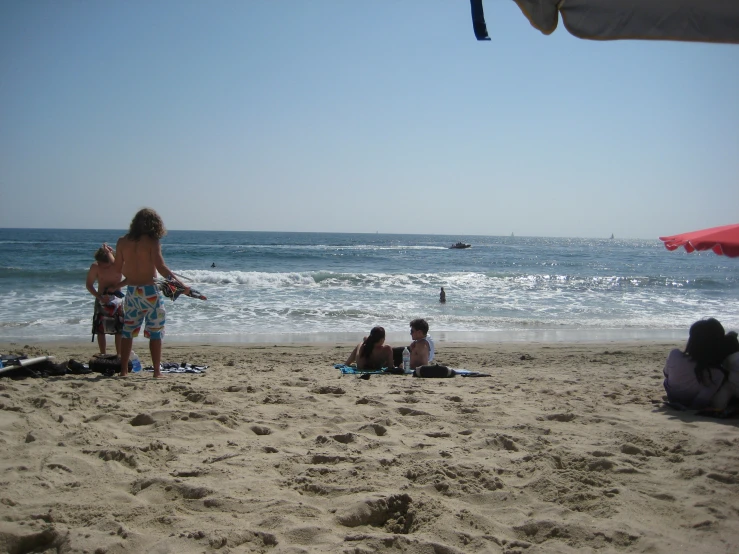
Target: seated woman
[(694, 376), (372, 353)]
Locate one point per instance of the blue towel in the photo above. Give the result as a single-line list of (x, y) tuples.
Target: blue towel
[(351, 370)]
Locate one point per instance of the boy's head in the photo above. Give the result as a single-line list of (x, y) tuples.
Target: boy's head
[(104, 256)]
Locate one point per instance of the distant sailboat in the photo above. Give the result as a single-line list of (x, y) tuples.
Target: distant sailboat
[(611, 235), (511, 234)]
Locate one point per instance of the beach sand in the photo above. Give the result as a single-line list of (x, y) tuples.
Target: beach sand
[(565, 448)]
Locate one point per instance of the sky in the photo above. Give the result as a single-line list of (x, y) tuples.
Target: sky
[(357, 116)]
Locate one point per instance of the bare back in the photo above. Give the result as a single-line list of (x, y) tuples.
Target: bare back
[(139, 260), (381, 356)]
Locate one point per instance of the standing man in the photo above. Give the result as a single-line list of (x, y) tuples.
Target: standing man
[(139, 257), (108, 315), (442, 296)]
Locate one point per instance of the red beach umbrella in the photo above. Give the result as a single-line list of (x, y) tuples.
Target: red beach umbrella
[(724, 240)]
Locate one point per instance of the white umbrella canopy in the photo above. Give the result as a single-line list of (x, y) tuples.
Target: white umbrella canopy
[(679, 20)]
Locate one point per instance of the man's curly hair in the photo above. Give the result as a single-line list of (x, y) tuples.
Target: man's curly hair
[(147, 223)]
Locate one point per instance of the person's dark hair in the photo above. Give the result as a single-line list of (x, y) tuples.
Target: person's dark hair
[(731, 344), (420, 325), (147, 223), (706, 347), (375, 336), (102, 255)]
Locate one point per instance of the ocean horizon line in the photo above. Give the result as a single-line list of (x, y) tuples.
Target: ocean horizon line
[(369, 233)]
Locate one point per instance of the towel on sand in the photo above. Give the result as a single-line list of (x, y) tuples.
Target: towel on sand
[(351, 370), (174, 367), (435, 371)]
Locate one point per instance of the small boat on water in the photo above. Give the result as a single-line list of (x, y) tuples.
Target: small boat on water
[(461, 246)]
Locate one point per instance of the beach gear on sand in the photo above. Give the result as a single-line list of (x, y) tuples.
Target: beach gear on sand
[(14, 366), (11, 362), (426, 371), (468, 373), (351, 370), (441, 372), (107, 364), (174, 367)]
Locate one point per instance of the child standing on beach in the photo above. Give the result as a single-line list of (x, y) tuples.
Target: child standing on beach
[(139, 257), (107, 304)]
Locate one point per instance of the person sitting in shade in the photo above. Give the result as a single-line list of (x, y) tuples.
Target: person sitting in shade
[(727, 396), (694, 376), (372, 353)]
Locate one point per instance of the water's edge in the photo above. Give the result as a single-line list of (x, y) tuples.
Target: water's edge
[(562, 336)]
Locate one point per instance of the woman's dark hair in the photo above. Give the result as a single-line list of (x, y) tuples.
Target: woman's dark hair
[(375, 336), (706, 347), (146, 222)]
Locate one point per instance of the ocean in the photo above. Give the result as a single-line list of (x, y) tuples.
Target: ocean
[(269, 287)]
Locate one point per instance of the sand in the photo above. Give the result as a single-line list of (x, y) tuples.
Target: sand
[(565, 448)]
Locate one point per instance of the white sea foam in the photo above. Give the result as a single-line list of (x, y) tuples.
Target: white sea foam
[(542, 287)]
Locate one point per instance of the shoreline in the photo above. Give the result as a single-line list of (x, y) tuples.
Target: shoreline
[(543, 336)]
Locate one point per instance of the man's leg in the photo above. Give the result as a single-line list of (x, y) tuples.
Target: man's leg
[(155, 348), (118, 344), (126, 347), (155, 321)]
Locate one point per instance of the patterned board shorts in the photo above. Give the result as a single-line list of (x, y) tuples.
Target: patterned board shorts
[(143, 303), (107, 317)]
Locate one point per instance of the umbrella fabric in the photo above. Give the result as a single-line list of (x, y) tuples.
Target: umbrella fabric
[(722, 240), (683, 20)]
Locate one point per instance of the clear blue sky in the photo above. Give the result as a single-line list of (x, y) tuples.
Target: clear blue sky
[(357, 116)]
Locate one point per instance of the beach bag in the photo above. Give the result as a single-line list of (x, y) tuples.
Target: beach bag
[(433, 372), (107, 364)]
